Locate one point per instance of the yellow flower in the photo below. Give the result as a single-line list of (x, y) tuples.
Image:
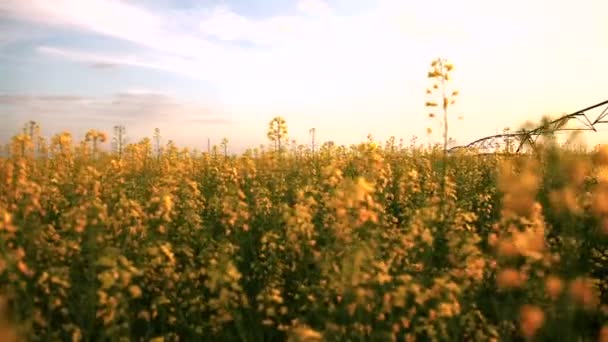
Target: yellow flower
[(599, 202), (601, 156), (583, 291), (135, 291), (23, 268), (509, 278), (167, 203), (532, 318), (553, 286), (507, 248), (604, 226), (304, 334), (603, 335)]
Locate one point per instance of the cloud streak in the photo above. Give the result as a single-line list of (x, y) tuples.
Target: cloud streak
[(339, 67), (140, 110), (95, 59), (128, 107), (297, 48), (113, 18), (22, 99)]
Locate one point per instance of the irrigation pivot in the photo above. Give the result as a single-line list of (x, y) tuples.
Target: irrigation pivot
[(529, 137)]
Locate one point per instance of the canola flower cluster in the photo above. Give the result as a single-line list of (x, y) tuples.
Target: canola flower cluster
[(352, 243)]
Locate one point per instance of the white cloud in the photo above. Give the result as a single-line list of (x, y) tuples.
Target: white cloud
[(298, 50), (187, 67), (113, 18), (359, 61), (116, 19), (316, 7), (224, 24), (9, 33), (322, 62)]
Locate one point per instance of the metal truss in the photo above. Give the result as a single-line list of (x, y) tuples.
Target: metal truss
[(528, 138)]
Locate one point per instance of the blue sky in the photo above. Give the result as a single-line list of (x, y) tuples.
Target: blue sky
[(199, 69)]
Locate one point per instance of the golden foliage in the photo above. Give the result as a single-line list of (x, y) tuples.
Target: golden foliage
[(370, 242)]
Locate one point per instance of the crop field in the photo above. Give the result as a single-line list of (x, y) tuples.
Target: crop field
[(362, 243), (303, 171)]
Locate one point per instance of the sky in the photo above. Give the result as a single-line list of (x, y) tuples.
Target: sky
[(224, 68)]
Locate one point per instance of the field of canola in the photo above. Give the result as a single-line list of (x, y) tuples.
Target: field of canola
[(360, 243)]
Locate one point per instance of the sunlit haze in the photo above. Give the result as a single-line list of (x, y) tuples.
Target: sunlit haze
[(349, 68)]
